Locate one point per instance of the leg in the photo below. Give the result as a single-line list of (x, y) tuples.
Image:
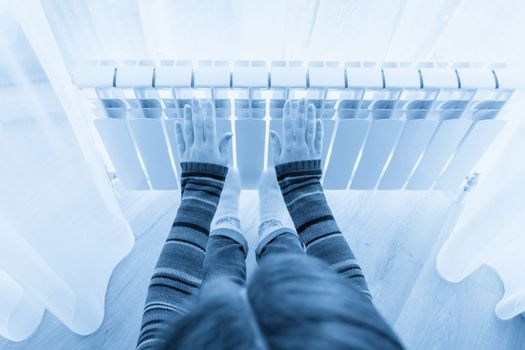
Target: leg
[(225, 256), (286, 242), (226, 248), (276, 233)]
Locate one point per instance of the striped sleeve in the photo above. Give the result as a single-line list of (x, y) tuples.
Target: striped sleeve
[(303, 194), (178, 273)]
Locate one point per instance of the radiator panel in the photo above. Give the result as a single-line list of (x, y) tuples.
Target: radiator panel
[(152, 145), (410, 147), (381, 139), (349, 138), (440, 149), (119, 144), (475, 143), (250, 140)]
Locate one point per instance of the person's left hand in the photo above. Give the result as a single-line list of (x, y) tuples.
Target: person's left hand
[(197, 139), (303, 134)]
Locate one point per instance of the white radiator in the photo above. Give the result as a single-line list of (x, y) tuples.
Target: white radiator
[(389, 127)]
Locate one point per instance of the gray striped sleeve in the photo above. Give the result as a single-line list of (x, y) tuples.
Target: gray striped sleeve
[(303, 194), (178, 273)]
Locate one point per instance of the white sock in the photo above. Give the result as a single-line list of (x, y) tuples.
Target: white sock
[(273, 214), (227, 214)]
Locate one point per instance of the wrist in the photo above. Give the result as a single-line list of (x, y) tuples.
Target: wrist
[(199, 169), (302, 167)]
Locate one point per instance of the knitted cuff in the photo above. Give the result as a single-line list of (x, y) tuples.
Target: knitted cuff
[(215, 171), (312, 166)]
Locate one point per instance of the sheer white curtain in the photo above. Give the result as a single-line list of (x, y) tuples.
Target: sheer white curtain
[(380, 30), (61, 231), (491, 227)]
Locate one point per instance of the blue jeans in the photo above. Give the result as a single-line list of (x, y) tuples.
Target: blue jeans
[(226, 252)]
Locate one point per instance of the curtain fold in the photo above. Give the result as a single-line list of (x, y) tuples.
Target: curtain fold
[(367, 30), (491, 228), (20, 312), (61, 232)]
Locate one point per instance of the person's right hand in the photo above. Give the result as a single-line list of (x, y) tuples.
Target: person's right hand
[(303, 134)]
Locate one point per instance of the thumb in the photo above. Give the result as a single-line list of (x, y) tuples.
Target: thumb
[(225, 148), (275, 144)]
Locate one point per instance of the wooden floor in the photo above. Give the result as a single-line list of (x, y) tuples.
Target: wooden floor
[(395, 236)]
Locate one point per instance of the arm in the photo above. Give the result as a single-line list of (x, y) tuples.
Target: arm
[(178, 273), (312, 217), (299, 176)]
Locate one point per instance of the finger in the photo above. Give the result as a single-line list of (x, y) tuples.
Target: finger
[(300, 121), (188, 126), (196, 113), (225, 148), (318, 144), (210, 129), (287, 122), (310, 126), (181, 145), (275, 145)]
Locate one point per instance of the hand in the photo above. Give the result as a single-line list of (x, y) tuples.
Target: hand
[(197, 139), (303, 134)]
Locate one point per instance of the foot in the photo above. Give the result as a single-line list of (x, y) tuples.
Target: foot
[(227, 214), (273, 213)]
